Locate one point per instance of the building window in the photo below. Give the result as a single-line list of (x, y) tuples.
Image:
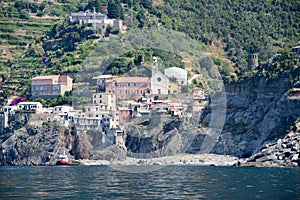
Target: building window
[(134, 84), (128, 84), (158, 79), (137, 92), (100, 96)]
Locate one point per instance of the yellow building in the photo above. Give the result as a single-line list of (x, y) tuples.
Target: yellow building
[(174, 88)]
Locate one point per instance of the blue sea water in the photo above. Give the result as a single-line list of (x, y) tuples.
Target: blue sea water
[(171, 182)]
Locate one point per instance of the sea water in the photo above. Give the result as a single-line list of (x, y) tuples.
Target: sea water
[(170, 182)]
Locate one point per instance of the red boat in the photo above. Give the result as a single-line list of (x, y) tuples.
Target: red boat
[(64, 159)]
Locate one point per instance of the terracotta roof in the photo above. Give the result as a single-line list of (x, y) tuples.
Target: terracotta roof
[(48, 77), (45, 77), (129, 80)]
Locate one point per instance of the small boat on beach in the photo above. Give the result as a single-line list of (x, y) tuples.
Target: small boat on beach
[(65, 159)]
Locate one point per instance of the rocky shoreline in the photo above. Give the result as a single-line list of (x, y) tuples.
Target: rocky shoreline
[(181, 159), (284, 152)]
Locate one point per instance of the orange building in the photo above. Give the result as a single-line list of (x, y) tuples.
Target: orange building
[(128, 87)]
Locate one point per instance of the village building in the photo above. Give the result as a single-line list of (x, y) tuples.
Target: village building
[(126, 88), (48, 87), (98, 20), (62, 109), (199, 99), (100, 82), (96, 117), (119, 139), (125, 114), (88, 121), (159, 82), (177, 73), (107, 99), (174, 88), (36, 106)]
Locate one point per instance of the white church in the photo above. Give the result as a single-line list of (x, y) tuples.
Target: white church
[(159, 82)]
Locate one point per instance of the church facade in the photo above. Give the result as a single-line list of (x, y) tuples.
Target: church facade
[(159, 82)]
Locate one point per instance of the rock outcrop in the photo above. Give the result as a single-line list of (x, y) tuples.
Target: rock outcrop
[(37, 142), (154, 137), (96, 146), (259, 111), (38, 139), (284, 152)]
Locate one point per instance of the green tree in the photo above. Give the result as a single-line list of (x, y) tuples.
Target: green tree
[(23, 14), (115, 10), (146, 4)]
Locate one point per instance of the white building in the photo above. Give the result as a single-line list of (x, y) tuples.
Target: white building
[(159, 82), (62, 109), (37, 106), (106, 99), (97, 19), (94, 117), (178, 73)]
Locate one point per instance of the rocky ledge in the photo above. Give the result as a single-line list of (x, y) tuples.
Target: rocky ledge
[(283, 153)]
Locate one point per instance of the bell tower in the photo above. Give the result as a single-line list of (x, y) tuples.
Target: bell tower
[(154, 65)]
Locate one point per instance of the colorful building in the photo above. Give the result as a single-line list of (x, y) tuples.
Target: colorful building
[(126, 88), (124, 114), (48, 87), (174, 88)]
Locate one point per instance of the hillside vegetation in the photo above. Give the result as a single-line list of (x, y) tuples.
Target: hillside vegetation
[(243, 26), (229, 29)]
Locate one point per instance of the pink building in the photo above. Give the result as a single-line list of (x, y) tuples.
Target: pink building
[(50, 86), (124, 114), (128, 87)]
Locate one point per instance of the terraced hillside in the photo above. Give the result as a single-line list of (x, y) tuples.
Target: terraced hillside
[(23, 27)]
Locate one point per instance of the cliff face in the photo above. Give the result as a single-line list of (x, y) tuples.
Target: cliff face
[(154, 137), (258, 111), (38, 139), (33, 142)]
